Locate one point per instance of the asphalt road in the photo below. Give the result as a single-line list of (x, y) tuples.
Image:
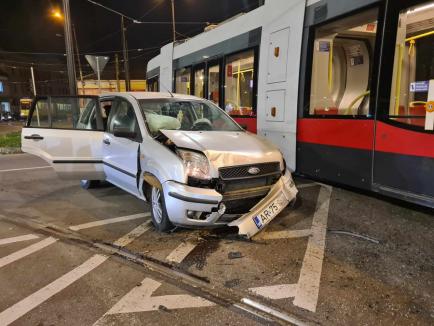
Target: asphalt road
[(74, 257)]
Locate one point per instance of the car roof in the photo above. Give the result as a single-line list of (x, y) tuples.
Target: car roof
[(152, 95)]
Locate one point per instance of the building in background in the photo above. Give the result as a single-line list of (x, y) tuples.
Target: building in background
[(91, 86)]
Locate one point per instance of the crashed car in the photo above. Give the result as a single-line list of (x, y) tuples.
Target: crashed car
[(184, 155)]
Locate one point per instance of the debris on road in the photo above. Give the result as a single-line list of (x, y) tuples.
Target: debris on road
[(355, 235), (235, 255)]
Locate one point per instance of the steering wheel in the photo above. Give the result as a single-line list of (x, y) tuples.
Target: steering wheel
[(202, 124)]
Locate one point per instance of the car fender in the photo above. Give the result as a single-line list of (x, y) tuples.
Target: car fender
[(160, 162)]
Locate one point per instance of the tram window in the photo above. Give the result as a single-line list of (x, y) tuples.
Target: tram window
[(239, 83), (214, 83), (342, 64), (152, 84), (182, 81), (413, 66), (199, 82)]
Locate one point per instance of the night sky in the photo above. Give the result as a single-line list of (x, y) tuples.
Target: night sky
[(26, 26)]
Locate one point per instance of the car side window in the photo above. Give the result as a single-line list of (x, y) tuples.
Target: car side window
[(122, 117), (69, 112)]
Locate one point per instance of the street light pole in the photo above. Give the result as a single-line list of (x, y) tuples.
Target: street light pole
[(69, 49), (173, 21), (80, 71), (125, 52)]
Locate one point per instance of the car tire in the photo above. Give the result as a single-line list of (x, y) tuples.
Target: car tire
[(160, 219), (88, 184)]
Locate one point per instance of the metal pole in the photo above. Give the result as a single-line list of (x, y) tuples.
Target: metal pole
[(118, 86), (98, 73), (33, 80), (125, 52), (78, 59), (69, 49), (173, 21), (34, 93)]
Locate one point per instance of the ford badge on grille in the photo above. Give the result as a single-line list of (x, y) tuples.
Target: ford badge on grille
[(253, 170)]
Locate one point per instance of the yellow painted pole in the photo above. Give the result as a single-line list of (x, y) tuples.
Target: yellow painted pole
[(413, 38), (330, 72), (398, 79)]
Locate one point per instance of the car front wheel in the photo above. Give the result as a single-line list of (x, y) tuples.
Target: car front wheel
[(160, 219)]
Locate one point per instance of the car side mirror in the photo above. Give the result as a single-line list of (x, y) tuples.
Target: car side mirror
[(124, 133)]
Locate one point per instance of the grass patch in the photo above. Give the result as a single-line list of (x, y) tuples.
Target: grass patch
[(11, 140)]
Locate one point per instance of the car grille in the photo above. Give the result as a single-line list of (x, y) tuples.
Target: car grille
[(242, 171)]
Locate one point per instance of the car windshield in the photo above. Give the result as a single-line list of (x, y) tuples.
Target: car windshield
[(173, 114)]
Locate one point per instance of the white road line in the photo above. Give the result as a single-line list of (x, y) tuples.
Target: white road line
[(276, 292), (140, 299), (26, 251), (108, 221), (286, 234), (134, 234), (306, 295), (32, 301), (18, 239), (23, 169), (24, 306), (182, 251)]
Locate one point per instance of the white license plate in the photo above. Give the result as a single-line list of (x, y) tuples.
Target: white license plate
[(269, 213)]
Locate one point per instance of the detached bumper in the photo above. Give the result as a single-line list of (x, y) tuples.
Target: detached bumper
[(282, 193)]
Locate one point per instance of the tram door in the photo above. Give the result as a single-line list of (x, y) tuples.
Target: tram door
[(335, 136), (404, 140)]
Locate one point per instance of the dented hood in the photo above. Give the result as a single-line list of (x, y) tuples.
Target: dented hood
[(226, 148)]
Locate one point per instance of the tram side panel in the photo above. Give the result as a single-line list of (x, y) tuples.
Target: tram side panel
[(279, 69)]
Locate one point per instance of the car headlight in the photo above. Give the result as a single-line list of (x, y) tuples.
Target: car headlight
[(196, 164)]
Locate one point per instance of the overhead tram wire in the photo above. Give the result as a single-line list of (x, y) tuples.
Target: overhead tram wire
[(84, 53), (138, 21), (119, 31)]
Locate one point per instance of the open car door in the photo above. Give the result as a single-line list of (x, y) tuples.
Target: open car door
[(67, 132)]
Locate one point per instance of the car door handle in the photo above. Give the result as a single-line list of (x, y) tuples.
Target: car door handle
[(34, 137), (106, 141)]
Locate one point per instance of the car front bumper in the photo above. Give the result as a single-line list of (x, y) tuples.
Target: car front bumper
[(181, 198)]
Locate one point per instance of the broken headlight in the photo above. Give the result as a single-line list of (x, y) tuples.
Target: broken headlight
[(196, 164)]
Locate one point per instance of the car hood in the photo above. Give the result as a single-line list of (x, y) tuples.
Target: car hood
[(226, 148)]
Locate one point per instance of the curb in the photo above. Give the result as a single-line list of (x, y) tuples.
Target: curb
[(10, 150)]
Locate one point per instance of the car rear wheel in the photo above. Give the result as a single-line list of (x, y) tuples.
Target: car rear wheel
[(89, 184), (160, 219)]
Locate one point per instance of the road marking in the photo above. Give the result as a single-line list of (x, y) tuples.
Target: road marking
[(23, 169), (26, 251), (306, 295), (276, 292), (140, 299), (24, 306), (134, 234), (18, 239), (286, 234), (182, 251), (32, 301), (108, 221)]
